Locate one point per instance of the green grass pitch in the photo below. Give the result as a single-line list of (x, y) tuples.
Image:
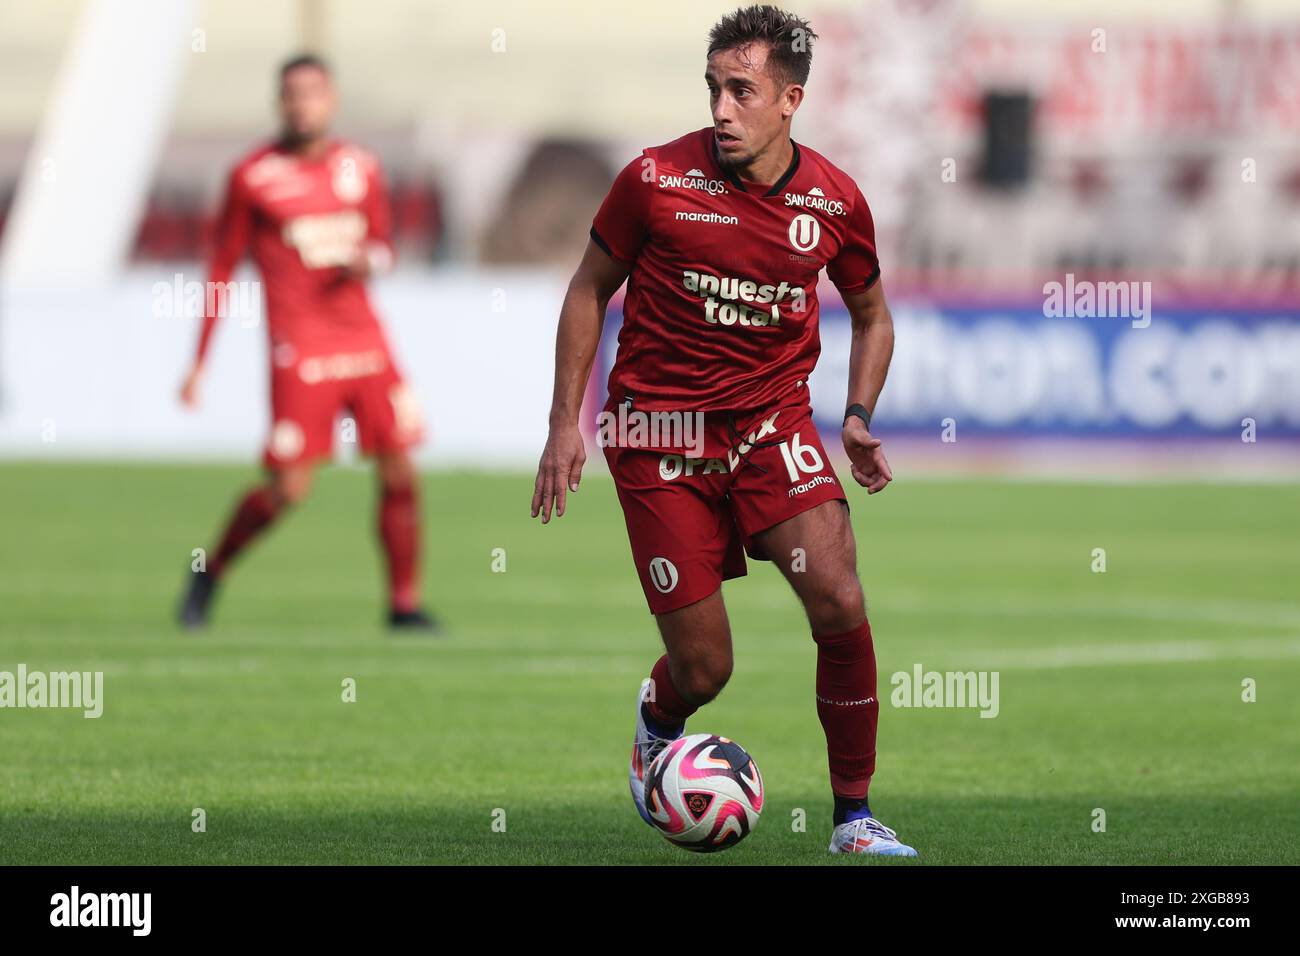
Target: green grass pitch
[(1120, 691)]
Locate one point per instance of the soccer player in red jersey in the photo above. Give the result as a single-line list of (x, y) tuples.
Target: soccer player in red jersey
[(721, 235), (313, 211)]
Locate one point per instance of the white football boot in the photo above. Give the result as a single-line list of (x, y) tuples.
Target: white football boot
[(868, 835), (645, 747)]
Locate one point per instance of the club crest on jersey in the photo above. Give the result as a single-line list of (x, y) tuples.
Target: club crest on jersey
[(816, 199), (805, 232), (731, 301), (694, 179), (349, 180)]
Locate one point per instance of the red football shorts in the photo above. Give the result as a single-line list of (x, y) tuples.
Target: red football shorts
[(691, 520), (309, 394)]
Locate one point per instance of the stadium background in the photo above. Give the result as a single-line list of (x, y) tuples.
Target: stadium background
[(1002, 144), (1168, 158)]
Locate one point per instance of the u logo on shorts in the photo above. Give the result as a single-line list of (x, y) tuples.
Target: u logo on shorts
[(663, 575)]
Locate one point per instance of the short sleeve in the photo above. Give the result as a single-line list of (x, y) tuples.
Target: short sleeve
[(855, 269), (623, 219)]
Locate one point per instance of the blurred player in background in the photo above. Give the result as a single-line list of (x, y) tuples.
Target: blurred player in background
[(721, 235), (314, 212)]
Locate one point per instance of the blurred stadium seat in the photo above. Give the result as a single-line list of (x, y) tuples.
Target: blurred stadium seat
[(1149, 144)]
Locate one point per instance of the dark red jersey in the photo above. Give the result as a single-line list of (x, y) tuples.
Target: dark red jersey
[(303, 220), (721, 304)]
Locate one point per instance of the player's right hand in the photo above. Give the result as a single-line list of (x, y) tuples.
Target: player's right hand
[(559, 471), (190, 389)]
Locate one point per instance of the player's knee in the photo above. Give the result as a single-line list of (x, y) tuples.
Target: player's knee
[(396, 473), (838, 607), (291, 487), (703, 679)]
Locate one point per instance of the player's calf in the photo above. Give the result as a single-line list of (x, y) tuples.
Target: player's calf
[(694, 670), (399, 536), (848, 709), (254, 513), (664, 703)]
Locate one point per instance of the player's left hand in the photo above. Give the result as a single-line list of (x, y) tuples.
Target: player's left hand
[(866, 458)]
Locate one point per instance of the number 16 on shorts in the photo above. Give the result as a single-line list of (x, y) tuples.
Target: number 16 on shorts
[(800, 458)]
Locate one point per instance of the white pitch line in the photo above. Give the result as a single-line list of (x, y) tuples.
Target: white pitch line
[(1109, 655), (534, 592), (1155, 608), (1030, 658)]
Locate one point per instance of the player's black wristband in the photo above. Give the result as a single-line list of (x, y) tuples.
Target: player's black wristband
[(860, 411)]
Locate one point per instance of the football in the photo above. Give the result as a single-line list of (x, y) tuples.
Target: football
[(704, 793)]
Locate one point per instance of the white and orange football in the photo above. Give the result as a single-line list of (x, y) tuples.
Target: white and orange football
[(704, 793)]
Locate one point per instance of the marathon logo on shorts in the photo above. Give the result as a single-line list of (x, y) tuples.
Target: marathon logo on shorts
[(809, 485), (731, 301)]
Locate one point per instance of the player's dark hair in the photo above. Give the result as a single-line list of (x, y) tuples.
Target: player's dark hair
[(303, 59), (789, 39)]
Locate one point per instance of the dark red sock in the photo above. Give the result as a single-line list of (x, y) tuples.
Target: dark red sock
[(848, 708), (399, 532), (257, 510), (664, 703)]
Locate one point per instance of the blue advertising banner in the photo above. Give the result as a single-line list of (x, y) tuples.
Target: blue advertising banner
[(1011, 371)]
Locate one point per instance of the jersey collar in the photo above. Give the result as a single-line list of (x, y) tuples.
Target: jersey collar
[(736, 181)]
